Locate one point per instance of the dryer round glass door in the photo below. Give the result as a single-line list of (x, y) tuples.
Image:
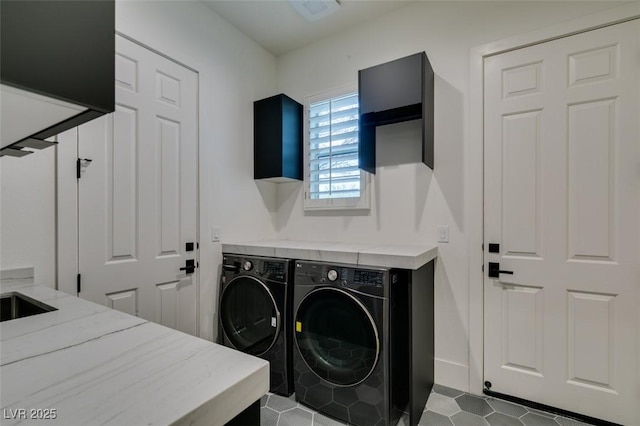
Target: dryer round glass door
[(249, 316), (336, 336)]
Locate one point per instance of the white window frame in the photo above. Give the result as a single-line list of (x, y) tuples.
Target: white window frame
[(363, 202)]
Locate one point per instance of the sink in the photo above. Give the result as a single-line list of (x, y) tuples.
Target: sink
[(16, 305)]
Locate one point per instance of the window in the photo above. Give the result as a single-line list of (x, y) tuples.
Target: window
[(332, 177)]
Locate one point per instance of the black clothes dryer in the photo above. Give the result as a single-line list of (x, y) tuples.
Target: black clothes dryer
[(351, 358), (255, 310)]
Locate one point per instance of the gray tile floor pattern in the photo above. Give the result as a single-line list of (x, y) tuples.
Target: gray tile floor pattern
[(445, 407)]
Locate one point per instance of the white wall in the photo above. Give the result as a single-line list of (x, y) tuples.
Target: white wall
[(27, 214), (409, 200)]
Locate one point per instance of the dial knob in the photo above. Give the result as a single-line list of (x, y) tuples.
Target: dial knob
[(332, 275), (247, 265)]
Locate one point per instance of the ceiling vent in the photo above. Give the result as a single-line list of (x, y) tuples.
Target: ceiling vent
[(313, 10)]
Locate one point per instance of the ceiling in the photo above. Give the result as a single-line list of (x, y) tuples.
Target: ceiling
[(276, 26)]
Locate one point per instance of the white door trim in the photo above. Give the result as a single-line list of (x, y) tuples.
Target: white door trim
[(67, 211), (474, 162), (67, 188), (157, 52)]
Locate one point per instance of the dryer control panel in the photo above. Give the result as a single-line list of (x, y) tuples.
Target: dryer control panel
[(275, 269), (266, 268)]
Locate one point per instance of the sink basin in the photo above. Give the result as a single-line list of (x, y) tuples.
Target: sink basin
[(16, 305)]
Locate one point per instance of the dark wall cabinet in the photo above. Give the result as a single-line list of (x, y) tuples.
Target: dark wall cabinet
[(58, 53), (394, 92), (277, 139)]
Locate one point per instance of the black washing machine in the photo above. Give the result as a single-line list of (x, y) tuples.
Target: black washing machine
[(351, 353), (255, 310)]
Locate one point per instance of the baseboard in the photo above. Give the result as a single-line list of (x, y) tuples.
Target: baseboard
[(551, 409), (452, 374)]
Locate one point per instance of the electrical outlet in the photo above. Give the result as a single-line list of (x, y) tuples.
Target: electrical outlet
[(443, 234), (215, 234)]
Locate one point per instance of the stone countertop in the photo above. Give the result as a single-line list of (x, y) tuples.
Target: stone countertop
[(381, 255), (94, 365)]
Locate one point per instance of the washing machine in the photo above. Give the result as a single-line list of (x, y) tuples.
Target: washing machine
[(254, 315), (351, 348)]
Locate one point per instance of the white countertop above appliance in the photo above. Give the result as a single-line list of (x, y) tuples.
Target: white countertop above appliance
[(362, 254)]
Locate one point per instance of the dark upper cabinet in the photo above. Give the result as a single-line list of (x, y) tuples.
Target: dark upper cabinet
[(394, 92), (277, 139), (57, 66)]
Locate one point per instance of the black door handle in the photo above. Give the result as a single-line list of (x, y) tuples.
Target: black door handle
[(494, 270), (189, 266)]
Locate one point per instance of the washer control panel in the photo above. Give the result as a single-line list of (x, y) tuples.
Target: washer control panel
[(365, 277), (366, 280)]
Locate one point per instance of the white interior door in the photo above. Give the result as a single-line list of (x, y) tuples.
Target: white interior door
[(138, 197), (562, 159)]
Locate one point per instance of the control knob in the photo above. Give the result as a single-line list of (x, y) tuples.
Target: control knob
[(247, 265), (332, 275)]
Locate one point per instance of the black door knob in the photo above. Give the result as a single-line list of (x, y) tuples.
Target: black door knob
[(494, 270), (189, 266)]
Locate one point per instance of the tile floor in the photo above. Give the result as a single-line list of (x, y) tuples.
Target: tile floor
[(445, 407)]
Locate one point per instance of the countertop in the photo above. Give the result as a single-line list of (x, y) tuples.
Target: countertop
[(94, 365), (381, 255)]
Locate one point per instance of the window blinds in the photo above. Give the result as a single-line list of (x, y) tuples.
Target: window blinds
[(333, 148)]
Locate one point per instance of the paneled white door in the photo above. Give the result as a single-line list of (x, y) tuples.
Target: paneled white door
[(562, 162), (138, 197)]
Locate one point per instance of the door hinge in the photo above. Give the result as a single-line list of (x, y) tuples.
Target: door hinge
[(483, 267), (79, 283), (80, 163)]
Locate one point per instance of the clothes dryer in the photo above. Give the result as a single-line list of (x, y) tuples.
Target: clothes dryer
[(255, 310), (351, 358)]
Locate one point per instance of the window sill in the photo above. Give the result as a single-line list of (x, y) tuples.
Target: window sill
[(338, 204)]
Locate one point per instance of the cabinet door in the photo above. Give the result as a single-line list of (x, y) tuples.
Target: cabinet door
[(277, 139), (391, 85), (45, 50), (394, 92)]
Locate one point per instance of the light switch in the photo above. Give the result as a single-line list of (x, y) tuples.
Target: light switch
[(443, 234), (215, 234)]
